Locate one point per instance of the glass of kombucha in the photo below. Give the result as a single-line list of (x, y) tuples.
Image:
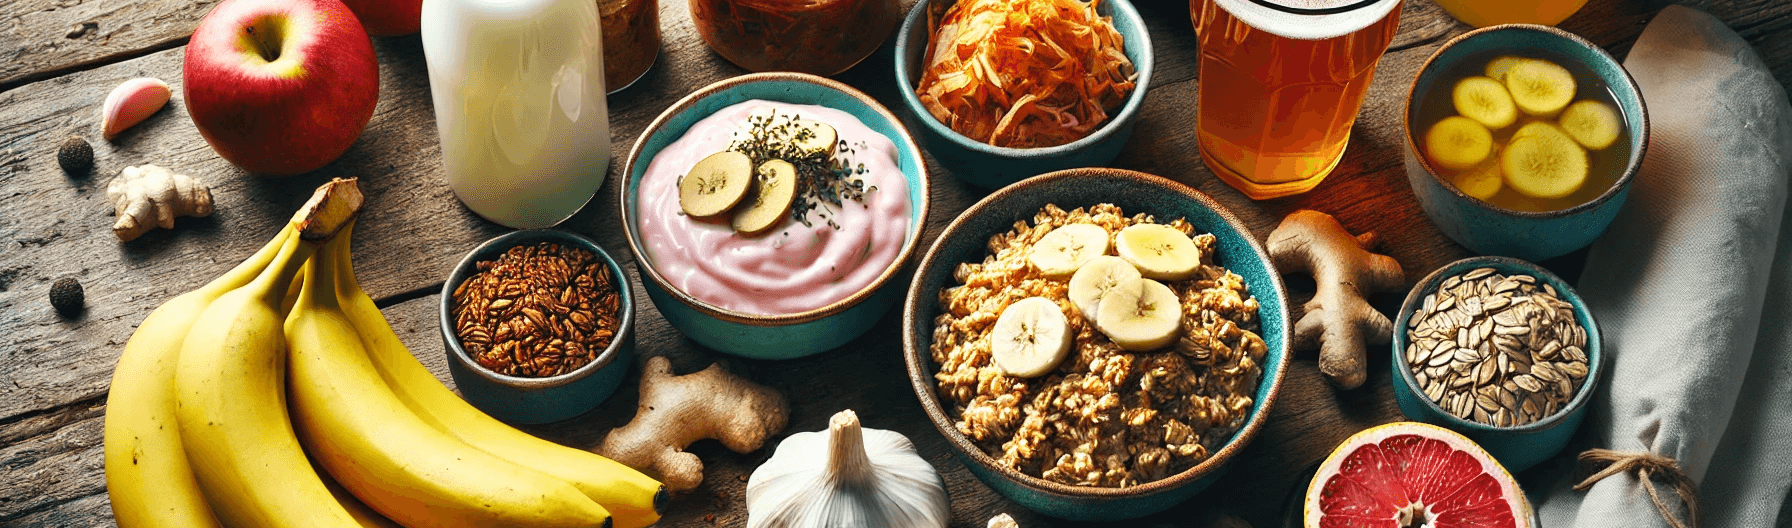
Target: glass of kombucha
[(1280, 83)]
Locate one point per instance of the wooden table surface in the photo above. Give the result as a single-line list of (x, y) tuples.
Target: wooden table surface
[(59, 58)]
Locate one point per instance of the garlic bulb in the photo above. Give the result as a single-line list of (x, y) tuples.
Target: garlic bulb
[(869, 477)]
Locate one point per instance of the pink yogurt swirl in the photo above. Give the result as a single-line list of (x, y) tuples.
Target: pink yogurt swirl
[(792, 268)]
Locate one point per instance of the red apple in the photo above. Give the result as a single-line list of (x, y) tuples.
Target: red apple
[(280, 87), (388, 18)]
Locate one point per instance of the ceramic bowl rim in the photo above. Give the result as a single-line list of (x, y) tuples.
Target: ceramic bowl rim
[(920, 379), (1595, 344), (625, 325), (909, 245), (1628, 84), (1129, 110)]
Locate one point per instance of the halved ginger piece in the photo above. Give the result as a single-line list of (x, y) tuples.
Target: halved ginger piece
[(1485, 100), (1544, 164), (1540, 87), (1592, 123), (1498, 67), (1458, 143), (715, 184)]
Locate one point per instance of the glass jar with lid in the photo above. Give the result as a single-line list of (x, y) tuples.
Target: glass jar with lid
[(822, 37), (631, 31)]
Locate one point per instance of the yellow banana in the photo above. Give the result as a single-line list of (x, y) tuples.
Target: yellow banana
[(357, 509), (359, 431), (633, 499), (230, 392), (147, 475)]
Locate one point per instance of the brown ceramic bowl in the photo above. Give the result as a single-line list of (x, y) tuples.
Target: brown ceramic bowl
[(966, 240)]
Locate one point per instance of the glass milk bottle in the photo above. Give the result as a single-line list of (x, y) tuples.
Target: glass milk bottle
[(518, 87)]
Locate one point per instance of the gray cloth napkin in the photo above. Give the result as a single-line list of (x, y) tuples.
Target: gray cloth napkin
[(1692, 287)]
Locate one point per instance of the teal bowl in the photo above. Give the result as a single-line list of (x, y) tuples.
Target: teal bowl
[(1493, 230), (989, 166), (782, 336), (1517, 447), (966, 240), (524, 400)]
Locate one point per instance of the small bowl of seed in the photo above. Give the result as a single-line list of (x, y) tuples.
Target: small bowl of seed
[(1500, 350), (539, 326)]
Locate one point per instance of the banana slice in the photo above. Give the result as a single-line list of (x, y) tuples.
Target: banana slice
[(1030, 338), (1062, 251), (1592, 123), (774, 190), (1544, 164), (814, 136), (1093, 281), (1141, 315), (1486, 100), (1458, 143), (1159, 251), (1498, 67), (716, 184), (808, 136), (1481, 182), (1540, 87), (1536, 126)]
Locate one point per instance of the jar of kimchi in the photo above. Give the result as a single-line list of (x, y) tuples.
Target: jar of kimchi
[(823, 37)]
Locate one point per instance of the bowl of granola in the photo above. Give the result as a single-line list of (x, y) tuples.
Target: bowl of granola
[(1094, 343)]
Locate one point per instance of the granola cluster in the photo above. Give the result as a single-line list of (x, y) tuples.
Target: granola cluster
[(1105, 417)]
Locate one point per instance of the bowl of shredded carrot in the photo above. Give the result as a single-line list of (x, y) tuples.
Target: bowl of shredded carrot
[(1006, 89)]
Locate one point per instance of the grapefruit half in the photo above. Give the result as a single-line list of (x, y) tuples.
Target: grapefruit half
[(1411, 475)]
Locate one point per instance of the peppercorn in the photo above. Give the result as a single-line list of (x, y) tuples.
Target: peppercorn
[(67, 297), (75, 156)]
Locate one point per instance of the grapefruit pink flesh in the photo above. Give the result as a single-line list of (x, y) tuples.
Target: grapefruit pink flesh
[(1404, 480)]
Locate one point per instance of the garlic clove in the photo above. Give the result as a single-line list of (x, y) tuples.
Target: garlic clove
[(132, 102)]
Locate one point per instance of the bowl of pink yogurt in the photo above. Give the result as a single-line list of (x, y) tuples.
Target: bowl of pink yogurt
[(824, 272)]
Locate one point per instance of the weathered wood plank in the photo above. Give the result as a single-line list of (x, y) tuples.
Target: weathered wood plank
[(44, 38)]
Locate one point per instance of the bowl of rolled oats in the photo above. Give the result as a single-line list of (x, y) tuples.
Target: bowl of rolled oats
[(1500, 350), (1096, 343), (538, 325)]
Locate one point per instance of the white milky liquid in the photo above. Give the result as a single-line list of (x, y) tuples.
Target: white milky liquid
[(520, 108)]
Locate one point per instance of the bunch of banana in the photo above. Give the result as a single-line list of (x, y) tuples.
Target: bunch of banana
[(387, 455), (155, 475), (633, 499), (198, 431)]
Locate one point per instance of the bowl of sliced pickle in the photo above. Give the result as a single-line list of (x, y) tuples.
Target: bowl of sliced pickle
[(1522, 140)]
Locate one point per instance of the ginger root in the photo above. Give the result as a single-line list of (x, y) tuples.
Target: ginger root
[(149, 196), (1338, 320), (676, 411)]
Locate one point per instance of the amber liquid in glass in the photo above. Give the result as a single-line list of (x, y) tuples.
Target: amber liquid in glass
[(1275, 112)]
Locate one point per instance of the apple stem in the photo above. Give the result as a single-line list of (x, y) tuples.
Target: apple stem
[(266, 41)]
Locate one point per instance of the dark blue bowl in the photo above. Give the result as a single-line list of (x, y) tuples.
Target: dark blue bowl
[(1519, 447), (966, 240), (990, 166), (1493, 230), (539, 400)]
